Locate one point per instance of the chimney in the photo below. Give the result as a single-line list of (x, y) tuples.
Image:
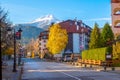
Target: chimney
[(77, 26)]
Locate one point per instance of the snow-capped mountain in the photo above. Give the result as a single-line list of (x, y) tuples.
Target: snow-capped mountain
[(50, 18), (42, 22), (33, 29)]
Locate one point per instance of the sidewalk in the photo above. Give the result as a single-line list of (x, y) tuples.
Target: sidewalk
[(8, 74), (109, 69)]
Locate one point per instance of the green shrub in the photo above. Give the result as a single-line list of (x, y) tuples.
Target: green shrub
[(96, 54), (116, 65)]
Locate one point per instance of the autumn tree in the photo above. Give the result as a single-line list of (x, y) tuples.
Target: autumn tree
[(106, 35), (30, 46), (95, 37), (58, 39), (9, 51), (33, 47), (116, 48), (6, 40), (36, 46)]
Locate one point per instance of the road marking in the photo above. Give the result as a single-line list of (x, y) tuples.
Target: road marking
[(71, 76), (68, 75)]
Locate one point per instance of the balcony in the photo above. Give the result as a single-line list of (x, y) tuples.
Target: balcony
[(116, 11), (117, 24), (116, 14)]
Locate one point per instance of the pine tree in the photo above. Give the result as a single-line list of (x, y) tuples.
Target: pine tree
[(95, 37), (58, 39), (106, 35)]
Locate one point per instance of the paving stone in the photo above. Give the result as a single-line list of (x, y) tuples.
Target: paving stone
[(7, 73)]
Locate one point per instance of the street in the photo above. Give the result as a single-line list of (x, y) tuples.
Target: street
[(36, 69)]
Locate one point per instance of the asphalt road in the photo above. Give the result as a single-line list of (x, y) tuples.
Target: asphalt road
[(36, 69)]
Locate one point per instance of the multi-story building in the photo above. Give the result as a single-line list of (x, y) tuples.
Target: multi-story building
[(78, 36), (115, 6), (43, 37)]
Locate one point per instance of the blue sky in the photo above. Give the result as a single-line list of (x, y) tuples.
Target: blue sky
[(89, 11)]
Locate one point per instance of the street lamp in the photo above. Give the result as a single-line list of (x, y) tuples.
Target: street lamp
[(19, 37), (15, 37)]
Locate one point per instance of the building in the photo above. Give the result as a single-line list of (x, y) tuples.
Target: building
[(78, 36), (43, 37), (115, 9)]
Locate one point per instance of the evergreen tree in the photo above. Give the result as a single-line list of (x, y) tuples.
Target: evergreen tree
[(106, 35), (95, 37)]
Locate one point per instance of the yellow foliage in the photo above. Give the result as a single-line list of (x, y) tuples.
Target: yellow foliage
[(33, 55), (9, 51), (116, 49), (58, 39), (42, 55)]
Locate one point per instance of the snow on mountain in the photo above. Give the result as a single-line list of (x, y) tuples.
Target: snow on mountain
[(33, 29), (44, 18), (42, 22)]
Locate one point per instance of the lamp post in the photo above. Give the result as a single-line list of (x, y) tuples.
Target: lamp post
[(14, 64), (14, 34), (19, 37)]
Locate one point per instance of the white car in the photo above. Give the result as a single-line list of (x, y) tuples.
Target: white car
[(67, 58)]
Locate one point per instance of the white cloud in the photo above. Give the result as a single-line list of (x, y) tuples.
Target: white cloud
[(99, 19)]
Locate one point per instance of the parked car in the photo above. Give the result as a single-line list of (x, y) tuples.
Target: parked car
[(67, 58)]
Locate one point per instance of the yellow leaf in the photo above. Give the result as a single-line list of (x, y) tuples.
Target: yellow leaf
[(58, 39)]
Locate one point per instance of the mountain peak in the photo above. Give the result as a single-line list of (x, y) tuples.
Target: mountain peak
[(42, 22), (49, 16), (44, 18)]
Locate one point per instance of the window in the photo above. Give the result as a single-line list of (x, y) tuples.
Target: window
[(40, 48), (44, 45), (44, 37), (44, 40), (39, 43)]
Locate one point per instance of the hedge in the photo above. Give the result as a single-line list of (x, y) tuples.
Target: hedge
[(96, 54)]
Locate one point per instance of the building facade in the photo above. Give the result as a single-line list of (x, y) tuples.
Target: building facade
[(43, 37), (78, 36), (115, 10)]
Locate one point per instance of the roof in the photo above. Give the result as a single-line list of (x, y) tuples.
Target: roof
[(73, 26), (115, 1)]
